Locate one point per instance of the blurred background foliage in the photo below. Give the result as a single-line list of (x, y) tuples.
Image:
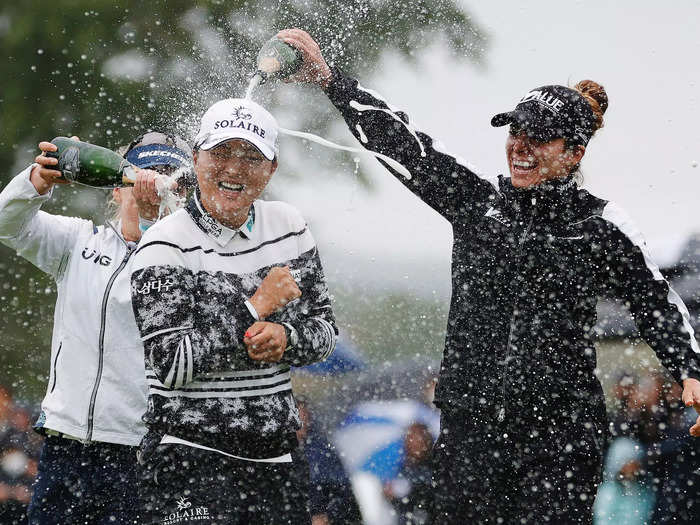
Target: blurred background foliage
[(107, 70)]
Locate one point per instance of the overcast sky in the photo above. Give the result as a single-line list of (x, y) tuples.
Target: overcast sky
[(644, 53)]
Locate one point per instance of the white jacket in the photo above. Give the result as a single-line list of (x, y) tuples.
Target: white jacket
[(97, 386)]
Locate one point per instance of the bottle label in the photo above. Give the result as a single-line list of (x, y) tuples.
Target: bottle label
[(69, 163)]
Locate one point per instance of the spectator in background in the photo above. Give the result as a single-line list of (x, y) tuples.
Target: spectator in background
[(410, 492), (624, 419), (623, 498), (19, 452), (672, 459), (650, 414), (332, 501)]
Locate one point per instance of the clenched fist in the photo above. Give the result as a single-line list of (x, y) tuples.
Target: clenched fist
[(277, 289), (265, 341)]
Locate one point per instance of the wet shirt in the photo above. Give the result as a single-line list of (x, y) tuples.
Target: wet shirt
[(191, 280)]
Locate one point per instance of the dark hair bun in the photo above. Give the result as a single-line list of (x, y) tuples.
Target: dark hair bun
[(596, 96)]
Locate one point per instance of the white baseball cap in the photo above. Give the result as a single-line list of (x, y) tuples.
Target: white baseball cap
[(238, 118)]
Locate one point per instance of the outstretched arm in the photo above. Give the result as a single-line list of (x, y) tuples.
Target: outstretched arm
[(662, 318), (446, 183)]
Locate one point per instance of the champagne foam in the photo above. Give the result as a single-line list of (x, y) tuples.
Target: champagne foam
[(165, 187)]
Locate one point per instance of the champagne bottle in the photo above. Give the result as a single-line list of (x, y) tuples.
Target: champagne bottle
[(277, 59), (92, 165)]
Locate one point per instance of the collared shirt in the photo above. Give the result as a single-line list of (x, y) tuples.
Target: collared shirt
[(223, 234), (217, 231), (191, 280)]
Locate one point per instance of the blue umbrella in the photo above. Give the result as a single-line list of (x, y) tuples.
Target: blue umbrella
[(343, 359), (371, 438)]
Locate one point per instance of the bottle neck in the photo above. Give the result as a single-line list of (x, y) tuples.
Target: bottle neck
[(128, 174)]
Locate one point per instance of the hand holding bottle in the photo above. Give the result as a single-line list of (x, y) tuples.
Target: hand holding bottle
[(314, 70), (148, 189), (44, 175)]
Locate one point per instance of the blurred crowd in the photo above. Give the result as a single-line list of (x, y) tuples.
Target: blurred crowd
[(652, 465), (19, 455)]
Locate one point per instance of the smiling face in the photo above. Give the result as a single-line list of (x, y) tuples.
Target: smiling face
[(231, 176), (532, 162)]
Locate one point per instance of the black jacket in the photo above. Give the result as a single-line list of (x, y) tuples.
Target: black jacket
[(528, 267)]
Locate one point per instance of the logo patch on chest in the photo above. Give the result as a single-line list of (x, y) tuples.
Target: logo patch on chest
[(96, 257), (495, 214)]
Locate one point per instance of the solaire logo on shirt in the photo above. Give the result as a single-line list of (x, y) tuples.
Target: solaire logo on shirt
[(186, 512)]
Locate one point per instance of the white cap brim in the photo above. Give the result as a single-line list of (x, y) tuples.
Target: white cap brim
[(214, 139)]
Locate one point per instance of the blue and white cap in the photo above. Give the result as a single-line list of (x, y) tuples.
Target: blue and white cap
[(238, 118), (155, 148)]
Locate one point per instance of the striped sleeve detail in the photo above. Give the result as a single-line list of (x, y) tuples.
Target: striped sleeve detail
[(165, 331), (331, 338), (615, 215), (236, 384), (181, 366), (190, 361)]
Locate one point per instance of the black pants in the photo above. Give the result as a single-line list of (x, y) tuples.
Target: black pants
[(505, 475), (84, 484), (184, 485)]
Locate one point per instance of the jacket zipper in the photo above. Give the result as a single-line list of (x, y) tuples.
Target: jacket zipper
[(100, 359), (521, 243), (55, 370)]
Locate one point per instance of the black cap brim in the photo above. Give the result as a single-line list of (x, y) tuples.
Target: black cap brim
[(502, 119), (535, 125), (523, 118)]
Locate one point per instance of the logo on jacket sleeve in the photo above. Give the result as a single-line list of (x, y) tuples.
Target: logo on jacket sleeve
[(154, 285)]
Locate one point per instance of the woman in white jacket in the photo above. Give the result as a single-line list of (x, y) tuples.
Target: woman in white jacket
[(96, 394)]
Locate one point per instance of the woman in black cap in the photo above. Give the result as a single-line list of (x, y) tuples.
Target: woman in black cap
[(96, 392), (523, 415)]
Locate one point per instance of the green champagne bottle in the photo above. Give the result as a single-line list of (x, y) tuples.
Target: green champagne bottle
[(277, 59), (92, 165)]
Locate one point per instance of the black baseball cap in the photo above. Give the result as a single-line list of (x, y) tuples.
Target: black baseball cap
[(551, 112)]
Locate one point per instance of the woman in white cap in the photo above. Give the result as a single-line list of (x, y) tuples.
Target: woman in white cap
[(523, 415), (228, 294), (96, 393)]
